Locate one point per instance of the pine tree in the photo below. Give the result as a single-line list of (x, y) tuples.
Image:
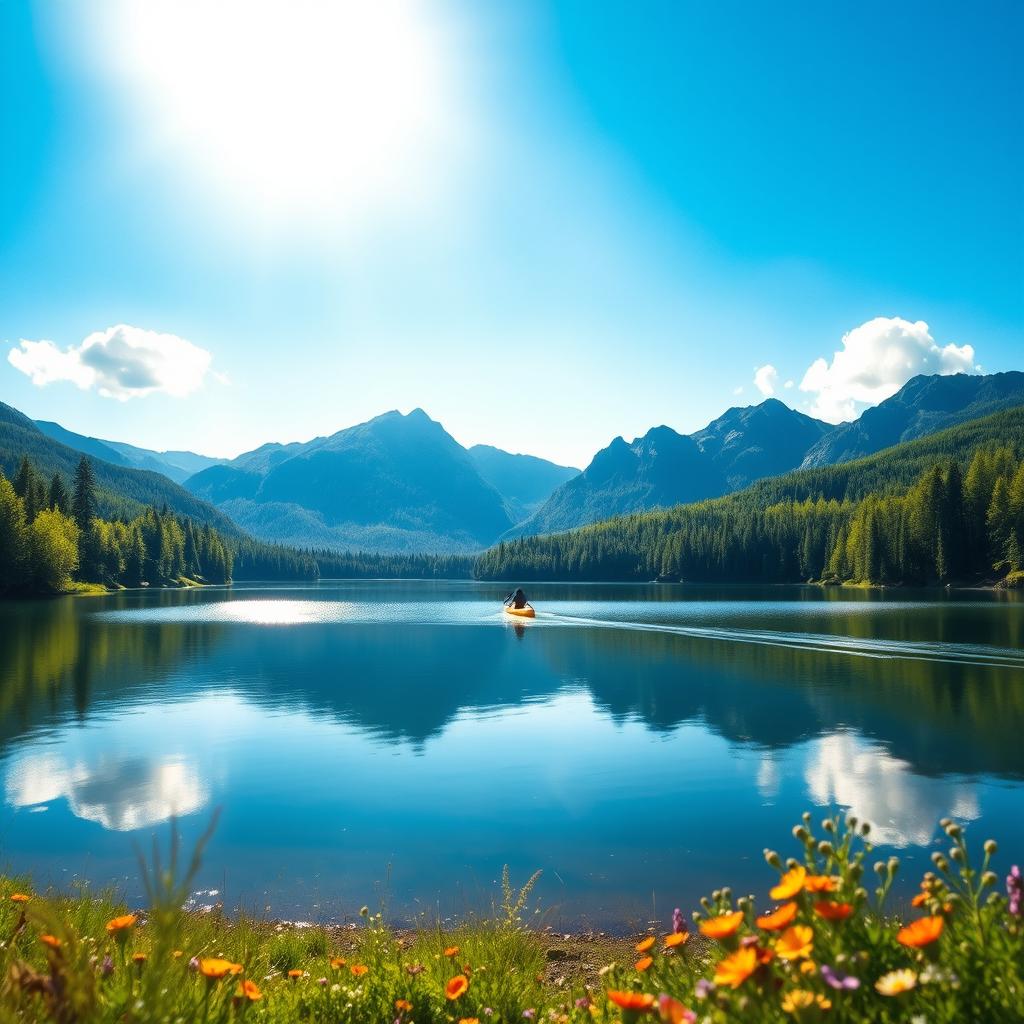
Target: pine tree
[(84, 504), (13, 538), (59, 496)]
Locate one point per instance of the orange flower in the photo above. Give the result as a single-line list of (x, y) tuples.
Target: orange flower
[(921, 932), (790, 884), (456, 986), (643, 963), (359, 970), (216, 967), (177, 954), (833, 911), (469, 1020), (920, 899), (403, 1004), (721, 927), (736, 968), (248, 990), (643, 947), (295, 973), (452, 951), (337, 962), (139, 958), (778, 919), (19, 897), (676, 939), (50, 940), (672, 1011), (637, 1002), (821, 883), (795, 942), (120, 924)]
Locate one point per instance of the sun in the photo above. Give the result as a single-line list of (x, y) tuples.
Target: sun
[(289, 107)]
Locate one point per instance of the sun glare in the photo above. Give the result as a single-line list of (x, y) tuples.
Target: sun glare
[(292, 107)]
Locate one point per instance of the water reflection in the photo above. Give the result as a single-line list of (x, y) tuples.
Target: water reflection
[(332, 723)]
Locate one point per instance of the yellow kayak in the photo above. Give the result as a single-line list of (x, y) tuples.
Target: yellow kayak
[(523, 613)]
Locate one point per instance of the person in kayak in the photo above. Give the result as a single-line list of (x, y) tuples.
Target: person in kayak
[(517, 599)]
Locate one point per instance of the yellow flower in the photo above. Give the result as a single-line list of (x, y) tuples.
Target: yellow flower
[(736, 968), (896, 982), (790, 884), (799, 1000), (795, 943)]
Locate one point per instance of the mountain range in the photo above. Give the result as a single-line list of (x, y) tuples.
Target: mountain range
[(402, 483)]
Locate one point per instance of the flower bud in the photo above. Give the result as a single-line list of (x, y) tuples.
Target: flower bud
[(773, 858), (726, 893), (865, 828), (953, 830), (828, 825), (957, 854), (991, 846), (364, 911), (716, 895), (792, 862), (799, 832), (944, 822), (851, 822), (989, 878), (894, 865), (807, 817), (880, 869)]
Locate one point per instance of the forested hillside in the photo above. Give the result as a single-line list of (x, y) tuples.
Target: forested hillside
[(950, 506), (121, 492)]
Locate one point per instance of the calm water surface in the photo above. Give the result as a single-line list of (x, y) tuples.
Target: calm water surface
[(640, 744)]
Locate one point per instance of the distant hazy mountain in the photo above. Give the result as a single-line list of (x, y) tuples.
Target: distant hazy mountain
[(665, 468), (123, 489), (395, 483), (524, 481), (176, 465), (922, 406)]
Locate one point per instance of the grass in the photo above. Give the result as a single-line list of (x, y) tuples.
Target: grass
[(827, 949)]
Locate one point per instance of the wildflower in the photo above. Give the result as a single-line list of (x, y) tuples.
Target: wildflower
[(795, 942), (799, 999), (723, 926), (118, 926), (107, 967), (583, 1003), (214, 968), (322, 982), (337, 962), (456, 986), (678, 922), (364, 911), (896, 982), (1014, 890), (452, 951), (736, 968), (833, 911), (403, 1005), (645, 945), (921, 932), (821, 883), (413, 969), (837, 980), (790, 884), (673, 1012), (469, 1020), (19, 897), (920, 899), (50, 940), (778, 919), (248, 990), (643, 963), (177, 954), (359, 969), (676, 939), (529, 1014), (295, 973), (139, 958), (635, 1002), (703, 988), (193, 964)]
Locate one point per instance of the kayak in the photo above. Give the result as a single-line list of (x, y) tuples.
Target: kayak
[(523, 613)]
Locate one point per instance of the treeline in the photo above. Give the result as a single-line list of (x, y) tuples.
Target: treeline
[(949, 525), (366, 565)]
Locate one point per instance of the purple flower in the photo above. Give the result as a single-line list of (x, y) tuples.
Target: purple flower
[(838, 980), (582, 1003), (678, 924), (703, 988), (193, 964), (1015, 889), (321, 981), (107, 967), (529, 1014)]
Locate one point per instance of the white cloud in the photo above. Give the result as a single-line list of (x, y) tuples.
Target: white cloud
[(789, 383), (876, 360), (121, 362), (738, 391), (765, 379)]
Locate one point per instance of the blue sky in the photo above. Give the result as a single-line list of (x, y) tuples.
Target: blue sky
[(544, 224)]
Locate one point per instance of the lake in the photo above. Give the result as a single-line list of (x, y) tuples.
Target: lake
[(401, 741)]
